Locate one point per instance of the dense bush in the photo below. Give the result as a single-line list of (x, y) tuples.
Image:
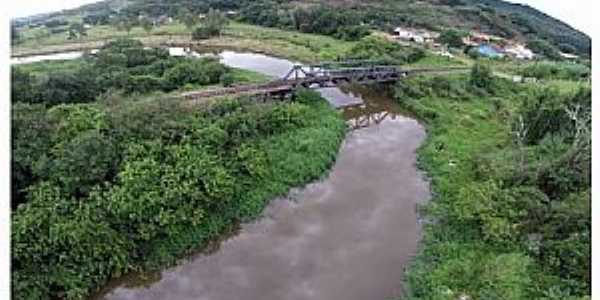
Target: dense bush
[(378, 48), (341, 23), (142, 84), (61, 247), (201, 72), (30, 141), (203, 33), (227, 80), (554, 70), (21, 86), (69, 87), (137, 185), (123, 64)]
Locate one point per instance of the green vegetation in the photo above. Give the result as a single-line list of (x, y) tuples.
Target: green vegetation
[(510, 171), (297, 46), (377, 48), (76, 30), (323, 19), (452, 38), (213, 23), (109, 189), (555, 70), (109, 176), (544, 48), (348, 20), (122, 65)]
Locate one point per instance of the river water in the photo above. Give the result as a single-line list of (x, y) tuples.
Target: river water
[(349, 236)]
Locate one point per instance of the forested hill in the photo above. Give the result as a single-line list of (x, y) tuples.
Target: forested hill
[(496, 17), (535, 22)]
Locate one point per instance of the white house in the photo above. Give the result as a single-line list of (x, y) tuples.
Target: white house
[(519, 51), (403, 33), (414, 35)]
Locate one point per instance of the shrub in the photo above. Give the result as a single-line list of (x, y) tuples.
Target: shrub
[(70, 87), (21, 84), (452, 38), (142, 84), (30, 141), (481, 76), (84, 162), (213, 69), (60, 249), (203, 33), (68, 121), (184, 73), (227, 79)]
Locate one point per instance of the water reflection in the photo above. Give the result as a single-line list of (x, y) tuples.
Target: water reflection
[(376, 106), (272, 66)]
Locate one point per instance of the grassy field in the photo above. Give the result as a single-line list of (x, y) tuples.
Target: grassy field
[(293, 45), (43, 67)]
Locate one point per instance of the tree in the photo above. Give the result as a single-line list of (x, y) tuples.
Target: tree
[(83, 161), (212, 25), (123, 23), (227, 79), (215, 21), (481, 76), (77, 30), (452, 38), (201, 33), (188, 18), (146, 24)]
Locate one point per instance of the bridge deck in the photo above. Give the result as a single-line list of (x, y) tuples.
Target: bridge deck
[(318, 78)]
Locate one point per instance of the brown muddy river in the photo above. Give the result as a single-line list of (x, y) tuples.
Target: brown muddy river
[(349, 236)]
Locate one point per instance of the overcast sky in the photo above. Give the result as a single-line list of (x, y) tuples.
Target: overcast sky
[(579, 16)]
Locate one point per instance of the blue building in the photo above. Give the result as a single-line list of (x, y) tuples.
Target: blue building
[(489, 51)]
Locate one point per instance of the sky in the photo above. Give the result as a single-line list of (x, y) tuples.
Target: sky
[(577, 13), (579, 16)]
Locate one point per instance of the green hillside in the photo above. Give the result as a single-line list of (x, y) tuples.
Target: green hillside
[(345, 17)]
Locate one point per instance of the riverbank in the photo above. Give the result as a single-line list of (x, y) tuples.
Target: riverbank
[(490, 234), (243, 166)]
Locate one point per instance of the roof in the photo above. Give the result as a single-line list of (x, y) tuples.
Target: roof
[(568, 55), (490, 51)]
